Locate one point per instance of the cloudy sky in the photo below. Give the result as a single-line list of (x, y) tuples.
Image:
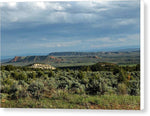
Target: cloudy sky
[(43, 27)]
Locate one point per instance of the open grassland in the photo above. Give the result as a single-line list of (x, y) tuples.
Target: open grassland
[(75, 101)]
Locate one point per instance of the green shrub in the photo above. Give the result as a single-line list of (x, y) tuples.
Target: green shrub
[(7, 81), (40, 73), (77, 88), (21, 92), (23, 84), (15, 75), (51, 74), (14, 88), (19, 76), (32, 75), (134, 87), (10, 67), (36, 88), (60, 94), (5, 88), (84, 81), (111, 91), (2, 68), (116, 70), (13, 91), (122, 89), (62, 84), (3, 96), (96, 86), (22, 76), (122, 78), (81, 75), (51, 84), (4, 74)]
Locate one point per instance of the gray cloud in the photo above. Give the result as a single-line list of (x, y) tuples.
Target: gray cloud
[(63, 12), (56, 26)]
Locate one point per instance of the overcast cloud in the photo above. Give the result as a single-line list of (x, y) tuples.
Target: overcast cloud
[(43, 27)]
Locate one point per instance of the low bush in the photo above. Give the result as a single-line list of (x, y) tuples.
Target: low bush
[(36, 88), (134, 87), (122, 89)]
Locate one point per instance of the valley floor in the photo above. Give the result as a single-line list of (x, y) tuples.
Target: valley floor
[(74, 101)]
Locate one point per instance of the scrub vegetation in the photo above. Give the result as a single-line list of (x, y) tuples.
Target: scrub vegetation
[(99, 86)]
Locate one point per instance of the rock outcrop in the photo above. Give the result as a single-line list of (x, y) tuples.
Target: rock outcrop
[(43, 66)]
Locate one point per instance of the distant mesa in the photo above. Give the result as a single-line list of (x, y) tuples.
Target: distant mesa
[(15, 59), (56, 59), (34, 59), (42, 66), (76, 58)]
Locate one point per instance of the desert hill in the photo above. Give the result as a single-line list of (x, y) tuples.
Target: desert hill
[(61, 59)]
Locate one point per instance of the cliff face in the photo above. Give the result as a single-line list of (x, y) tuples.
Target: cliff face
[(34, 59), (15, 59)]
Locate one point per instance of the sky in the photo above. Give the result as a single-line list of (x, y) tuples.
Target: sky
[(29, 28)]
